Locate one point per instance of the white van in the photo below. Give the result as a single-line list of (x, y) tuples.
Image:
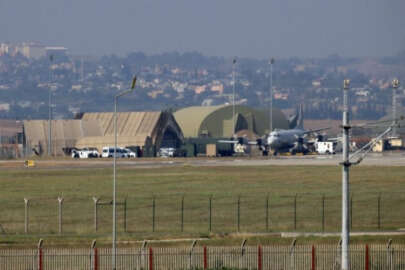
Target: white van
[(89, 152), (108, 152)]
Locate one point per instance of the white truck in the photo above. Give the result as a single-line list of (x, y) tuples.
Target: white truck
[(108, 152), (326, 147), (89, 152)]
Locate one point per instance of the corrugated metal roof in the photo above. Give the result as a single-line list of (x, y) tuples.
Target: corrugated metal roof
[(64, 132), (216, 121), (128, 123), (190, 118), (10, 128), (97, 130), (102, 141)]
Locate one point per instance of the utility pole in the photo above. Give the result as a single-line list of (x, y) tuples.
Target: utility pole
[(50, 108), (345, 179), (395, 85), (114, 221), (271, 96), (346, 163), (233, 96)]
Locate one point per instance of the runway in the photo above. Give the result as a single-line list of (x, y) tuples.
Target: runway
[(373, 159)]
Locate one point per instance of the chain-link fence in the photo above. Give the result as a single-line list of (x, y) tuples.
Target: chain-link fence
[(202, 214)]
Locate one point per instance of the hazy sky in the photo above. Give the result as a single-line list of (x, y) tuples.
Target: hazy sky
[(243, 28)]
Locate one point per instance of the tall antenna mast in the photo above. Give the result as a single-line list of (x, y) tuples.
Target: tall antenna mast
[(233, 96), (395, 85), (271, 96)]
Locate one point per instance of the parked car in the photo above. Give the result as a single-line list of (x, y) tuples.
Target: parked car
[(129, 153), (108, 152), (75, 153), (89, 152), (167, 152)]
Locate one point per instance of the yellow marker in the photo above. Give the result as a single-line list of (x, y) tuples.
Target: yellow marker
[(29, 163)]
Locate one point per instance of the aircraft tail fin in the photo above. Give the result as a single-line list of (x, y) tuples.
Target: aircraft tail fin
[(292, 121), (297, 120), (300, 119)]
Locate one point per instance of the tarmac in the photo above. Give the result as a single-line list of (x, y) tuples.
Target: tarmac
[(372, 159)]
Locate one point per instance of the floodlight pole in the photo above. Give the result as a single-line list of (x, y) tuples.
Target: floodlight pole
[(271, 95), (233, 96), (345, 179), (114, 233), (395, 84), (50, 108)]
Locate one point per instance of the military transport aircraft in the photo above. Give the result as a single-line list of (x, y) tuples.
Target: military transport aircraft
[(283, 140)]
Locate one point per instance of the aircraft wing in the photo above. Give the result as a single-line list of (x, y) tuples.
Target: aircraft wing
[(228, 141), (337, 139), (314, 130), (236, 141)]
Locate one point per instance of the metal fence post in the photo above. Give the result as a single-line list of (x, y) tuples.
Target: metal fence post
[(26, 215), (367, 259), (40, 255), (60, 203), (259, 258), (142, 255), (95, 256), (150, 258), (153, 213), (205, 258), (390, 253), (292, 249), (95, 199), (313, 258), (191, 254), (242, 253)]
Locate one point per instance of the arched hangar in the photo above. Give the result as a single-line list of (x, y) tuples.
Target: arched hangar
[(144, 129), (147, 130), (217, 121)]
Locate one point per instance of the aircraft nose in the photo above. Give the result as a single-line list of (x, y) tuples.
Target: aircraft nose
[(272, 141)]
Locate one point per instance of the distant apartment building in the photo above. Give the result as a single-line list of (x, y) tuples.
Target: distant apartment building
[(31, 50), (4, 107), (56, 51), (27, 49), (219, 88), (3, 48), (198, 89)]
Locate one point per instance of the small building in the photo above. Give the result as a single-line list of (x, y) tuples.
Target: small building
[(380, 146), (395, 143), (11, 138)]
